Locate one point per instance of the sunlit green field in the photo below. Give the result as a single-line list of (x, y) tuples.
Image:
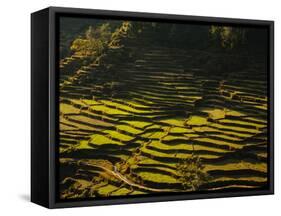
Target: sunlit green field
[(155, 123)]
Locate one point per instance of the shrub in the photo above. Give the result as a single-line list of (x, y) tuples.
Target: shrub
[(191, 173)]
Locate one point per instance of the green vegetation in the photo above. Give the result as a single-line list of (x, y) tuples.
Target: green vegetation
[(94, 41), (196, 121), (151, 107), (191, 173), (228, 37)]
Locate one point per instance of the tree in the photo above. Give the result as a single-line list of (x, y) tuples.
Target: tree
[(227, 37), (94, 41)]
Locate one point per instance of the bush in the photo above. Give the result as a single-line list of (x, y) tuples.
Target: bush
[(191, 173)]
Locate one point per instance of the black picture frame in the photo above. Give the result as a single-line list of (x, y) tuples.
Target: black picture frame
[(44, 105)]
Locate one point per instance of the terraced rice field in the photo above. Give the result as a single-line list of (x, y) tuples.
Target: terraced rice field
[(129, 129)]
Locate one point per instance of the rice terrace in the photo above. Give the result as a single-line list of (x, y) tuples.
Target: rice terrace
[(149, 108)]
